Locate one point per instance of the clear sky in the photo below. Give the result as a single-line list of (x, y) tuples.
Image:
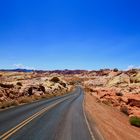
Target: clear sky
[(69, 34)]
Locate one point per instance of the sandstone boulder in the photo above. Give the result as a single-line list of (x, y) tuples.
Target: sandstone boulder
[(135, 78), (118, 80)]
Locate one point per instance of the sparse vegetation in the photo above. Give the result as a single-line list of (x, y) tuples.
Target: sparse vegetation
[(106, 102), (29, 99), (20, 87), (124, 110), (6, 104), (47, 96), (88, 89), (6, 85), (134, 121), (42, 88), (30, 91), (119, 93), (19, 83), (55, 79), (25, 100), (63, 84), (115, 70)]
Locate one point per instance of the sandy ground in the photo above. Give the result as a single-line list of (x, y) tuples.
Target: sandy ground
[(112, 124)]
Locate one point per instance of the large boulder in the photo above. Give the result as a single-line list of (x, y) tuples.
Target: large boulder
[(119, 80), (98, 81), (135, 78), (30, 90), (49, 84)]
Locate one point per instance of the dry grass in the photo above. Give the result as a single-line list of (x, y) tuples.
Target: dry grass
[(47, 96), (25, 100), (8, 104), (108, 103), (29, 99)]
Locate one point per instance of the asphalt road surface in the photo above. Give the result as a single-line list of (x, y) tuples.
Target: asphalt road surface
[(59, 118)]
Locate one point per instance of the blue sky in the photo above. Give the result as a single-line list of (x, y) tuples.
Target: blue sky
[(69, 34)]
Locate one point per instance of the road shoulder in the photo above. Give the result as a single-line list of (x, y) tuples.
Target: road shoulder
[(111, 123)]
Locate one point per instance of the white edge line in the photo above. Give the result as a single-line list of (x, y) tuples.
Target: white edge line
[(89, 128)]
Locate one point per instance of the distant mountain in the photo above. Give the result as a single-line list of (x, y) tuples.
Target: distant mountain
[(42, 71), (17, 70), (68, 71)]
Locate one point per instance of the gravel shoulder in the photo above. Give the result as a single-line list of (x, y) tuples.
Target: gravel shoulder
[(111, 122)]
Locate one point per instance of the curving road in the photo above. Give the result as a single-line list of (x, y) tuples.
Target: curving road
[(60, 118)]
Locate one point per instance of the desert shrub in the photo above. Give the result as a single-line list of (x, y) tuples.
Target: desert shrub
[(115, 70), (19, 83), (25, 100), (37, 97), (63, 84), (42, 88), (3, 105), (44, 96), (6, 85), (119, 94), (72, 83), (14, 103), (135, 121), (55, 79), (106, 102), (6, 104), (124, 110), (30, 91), (87, 89), (47, 96)]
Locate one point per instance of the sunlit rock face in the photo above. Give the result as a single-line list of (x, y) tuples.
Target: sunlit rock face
[(120, 89), (14, 85)]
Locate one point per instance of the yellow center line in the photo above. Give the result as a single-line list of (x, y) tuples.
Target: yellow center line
[(19, 124), (22, 124)]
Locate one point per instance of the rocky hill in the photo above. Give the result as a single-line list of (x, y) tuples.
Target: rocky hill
[(120, 89), (22, 87)]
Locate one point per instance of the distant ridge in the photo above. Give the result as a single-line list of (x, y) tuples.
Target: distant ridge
[(17, 70), (42, 71)]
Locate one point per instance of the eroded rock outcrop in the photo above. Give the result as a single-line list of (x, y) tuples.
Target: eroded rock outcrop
[(118, 89), (14, 87)]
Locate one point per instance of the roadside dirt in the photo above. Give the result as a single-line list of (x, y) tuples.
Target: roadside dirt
[(112, 124)]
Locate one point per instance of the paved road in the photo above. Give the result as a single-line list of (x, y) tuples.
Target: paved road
[(60, 118)]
